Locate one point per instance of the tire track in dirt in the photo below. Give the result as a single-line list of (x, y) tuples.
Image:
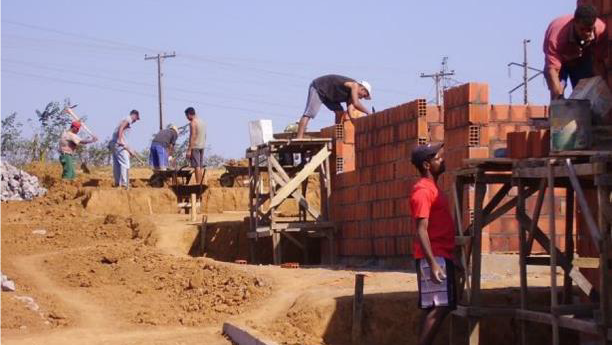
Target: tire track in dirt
[(94, 323)]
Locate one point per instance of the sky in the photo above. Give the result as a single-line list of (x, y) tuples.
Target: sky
[(239, 61)]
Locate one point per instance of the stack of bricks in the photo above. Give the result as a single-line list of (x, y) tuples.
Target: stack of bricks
[(466, 132), (371, 203)]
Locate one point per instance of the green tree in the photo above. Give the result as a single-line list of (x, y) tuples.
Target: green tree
[(11, 137), (52, 122)]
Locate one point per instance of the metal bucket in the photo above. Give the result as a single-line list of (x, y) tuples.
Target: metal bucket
[(570, 125)]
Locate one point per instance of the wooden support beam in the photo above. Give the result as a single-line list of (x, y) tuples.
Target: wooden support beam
[(603, 200), (569, 243), (586, 211), (294, 240), (308, 169), (553, 252), (520, 207), (536, 214), (461, 240), (543, 240), (479, 194)]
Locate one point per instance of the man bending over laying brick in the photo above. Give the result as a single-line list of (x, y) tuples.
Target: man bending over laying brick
[(332, 90), (434, 249)]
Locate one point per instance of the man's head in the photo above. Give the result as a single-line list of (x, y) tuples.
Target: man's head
[(428, 159), (365, 90), (134, 115), (75, 126), (584, 22), (190, 113), (173, 127)]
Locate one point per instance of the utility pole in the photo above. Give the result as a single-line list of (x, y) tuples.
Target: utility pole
[(159, 58), (526, 78), (440, 78)]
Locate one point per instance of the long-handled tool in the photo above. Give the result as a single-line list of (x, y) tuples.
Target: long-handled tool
[(76, 118)]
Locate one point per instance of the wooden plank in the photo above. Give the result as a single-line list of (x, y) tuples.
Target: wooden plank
[(303, 225), (309, 168), (584, 207), (463, 240), (277, 251), (543, 240), (298, 196), (520, 206), (476, 256), (586, 169), (582, 310), (498, 197), (193, 208), (203, 228), (569, 243), (459, 226), (293, 239), (604, 274), (536, 214), (553, 251), (537, 260), (585, 262), (243, 335)]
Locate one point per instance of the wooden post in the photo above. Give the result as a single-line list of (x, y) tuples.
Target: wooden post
[(520, 208), (553, 253), (252, 211), (569, 242), (604, 273), (357, 329), (476, 255), (203, 227), (194, 210)]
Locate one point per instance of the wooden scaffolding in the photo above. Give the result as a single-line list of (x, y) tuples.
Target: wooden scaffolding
[(574, 173), (287, 164)]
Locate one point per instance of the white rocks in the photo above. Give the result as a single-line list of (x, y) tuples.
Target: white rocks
[(7, 284), (16, 184)]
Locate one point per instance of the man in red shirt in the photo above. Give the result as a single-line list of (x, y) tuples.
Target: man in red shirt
[(434, 249), (575, 47)]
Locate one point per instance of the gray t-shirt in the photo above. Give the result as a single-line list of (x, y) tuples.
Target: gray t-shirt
[(166, 137), (200, 140)]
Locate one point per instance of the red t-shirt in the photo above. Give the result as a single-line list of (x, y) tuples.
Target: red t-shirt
[(426, 201)]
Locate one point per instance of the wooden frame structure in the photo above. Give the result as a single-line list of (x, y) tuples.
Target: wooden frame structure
[(574, 173), (286, 181)]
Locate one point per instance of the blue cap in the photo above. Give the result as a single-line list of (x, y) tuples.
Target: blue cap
[(422, 153)]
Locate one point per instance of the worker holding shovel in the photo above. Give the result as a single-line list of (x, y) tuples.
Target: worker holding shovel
[(120, 150), (68, 143)]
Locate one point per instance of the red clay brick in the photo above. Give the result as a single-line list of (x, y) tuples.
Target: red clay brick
[(434, 114), (478, 152), (518, 113), (436, 132), (500, 113), (504, 129)]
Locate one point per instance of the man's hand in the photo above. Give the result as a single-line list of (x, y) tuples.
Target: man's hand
[(188, 154), (437, 273)]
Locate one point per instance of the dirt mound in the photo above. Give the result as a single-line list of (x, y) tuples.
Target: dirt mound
[(135, 201), (146, 287)]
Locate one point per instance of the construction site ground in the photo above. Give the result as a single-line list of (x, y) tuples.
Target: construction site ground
[(105, 266)]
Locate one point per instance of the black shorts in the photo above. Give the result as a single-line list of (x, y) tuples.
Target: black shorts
[(436, 295), (197, 158)]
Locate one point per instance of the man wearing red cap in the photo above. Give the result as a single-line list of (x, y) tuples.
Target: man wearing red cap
[(69, 141)]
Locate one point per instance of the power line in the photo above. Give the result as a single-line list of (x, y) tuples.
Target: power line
[(66, 81), (526, 78)]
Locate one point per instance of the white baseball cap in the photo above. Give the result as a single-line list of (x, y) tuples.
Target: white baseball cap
[(368, 87)]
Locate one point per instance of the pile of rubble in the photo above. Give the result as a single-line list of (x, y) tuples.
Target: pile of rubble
[(16, 184)]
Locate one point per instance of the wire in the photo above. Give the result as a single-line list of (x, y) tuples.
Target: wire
[(66, 81)]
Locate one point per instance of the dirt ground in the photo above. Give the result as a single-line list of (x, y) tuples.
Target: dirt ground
[(93, 265)]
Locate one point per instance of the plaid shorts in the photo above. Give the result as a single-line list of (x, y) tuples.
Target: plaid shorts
[(432, 294)]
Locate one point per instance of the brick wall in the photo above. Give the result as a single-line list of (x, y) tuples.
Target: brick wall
[(370, 198)]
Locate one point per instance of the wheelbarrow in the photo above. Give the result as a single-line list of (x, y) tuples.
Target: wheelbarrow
[(230, 177)]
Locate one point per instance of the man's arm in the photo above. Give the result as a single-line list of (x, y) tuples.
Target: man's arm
[(436, 271), (554, 83), (354, 101)]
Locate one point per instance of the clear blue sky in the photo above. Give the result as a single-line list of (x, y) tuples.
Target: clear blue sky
[(245, 60)]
